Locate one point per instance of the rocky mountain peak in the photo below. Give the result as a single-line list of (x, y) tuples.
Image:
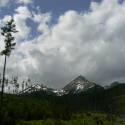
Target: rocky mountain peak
[(79, 84)]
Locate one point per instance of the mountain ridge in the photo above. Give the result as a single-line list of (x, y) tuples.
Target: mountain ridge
[(79, 84)]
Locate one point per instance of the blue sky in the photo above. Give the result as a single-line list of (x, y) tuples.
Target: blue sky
[(61, 6), (57, 7), (59, 40)]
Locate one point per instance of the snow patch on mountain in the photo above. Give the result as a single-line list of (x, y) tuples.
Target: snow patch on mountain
[(78, 85), (59, 92), (34, 88)]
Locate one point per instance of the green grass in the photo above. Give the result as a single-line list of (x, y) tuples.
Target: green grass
[(78, 120), (70, 122)]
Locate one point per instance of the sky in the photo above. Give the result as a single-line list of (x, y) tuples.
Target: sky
[(58, 40)]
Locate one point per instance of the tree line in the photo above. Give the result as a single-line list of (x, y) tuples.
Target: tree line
[(13, 85)]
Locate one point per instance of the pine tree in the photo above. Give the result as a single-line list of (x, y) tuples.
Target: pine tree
[(7, 30)]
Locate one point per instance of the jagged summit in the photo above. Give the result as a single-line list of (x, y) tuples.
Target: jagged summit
[(79, 84), (80, 78)]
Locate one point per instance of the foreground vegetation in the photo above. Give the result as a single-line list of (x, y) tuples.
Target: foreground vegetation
[(42, 108), (84, 119)]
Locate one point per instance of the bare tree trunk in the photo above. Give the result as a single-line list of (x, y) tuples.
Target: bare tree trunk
[(2, 92)]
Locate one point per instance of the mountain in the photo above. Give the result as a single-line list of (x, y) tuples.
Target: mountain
[(81, 94), (59, 92), (34, 88), (80, 84), (113, 84), (41, 88)]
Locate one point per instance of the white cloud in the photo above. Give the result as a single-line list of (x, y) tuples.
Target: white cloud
[(25, 1), (24, 11), (91, 44), (42, 20), (4, 3), (6, 18), (21, 16)]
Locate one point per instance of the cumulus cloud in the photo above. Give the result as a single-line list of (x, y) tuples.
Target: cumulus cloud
[(4, 3), (90, 44), (42, 20), (21, 16)]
